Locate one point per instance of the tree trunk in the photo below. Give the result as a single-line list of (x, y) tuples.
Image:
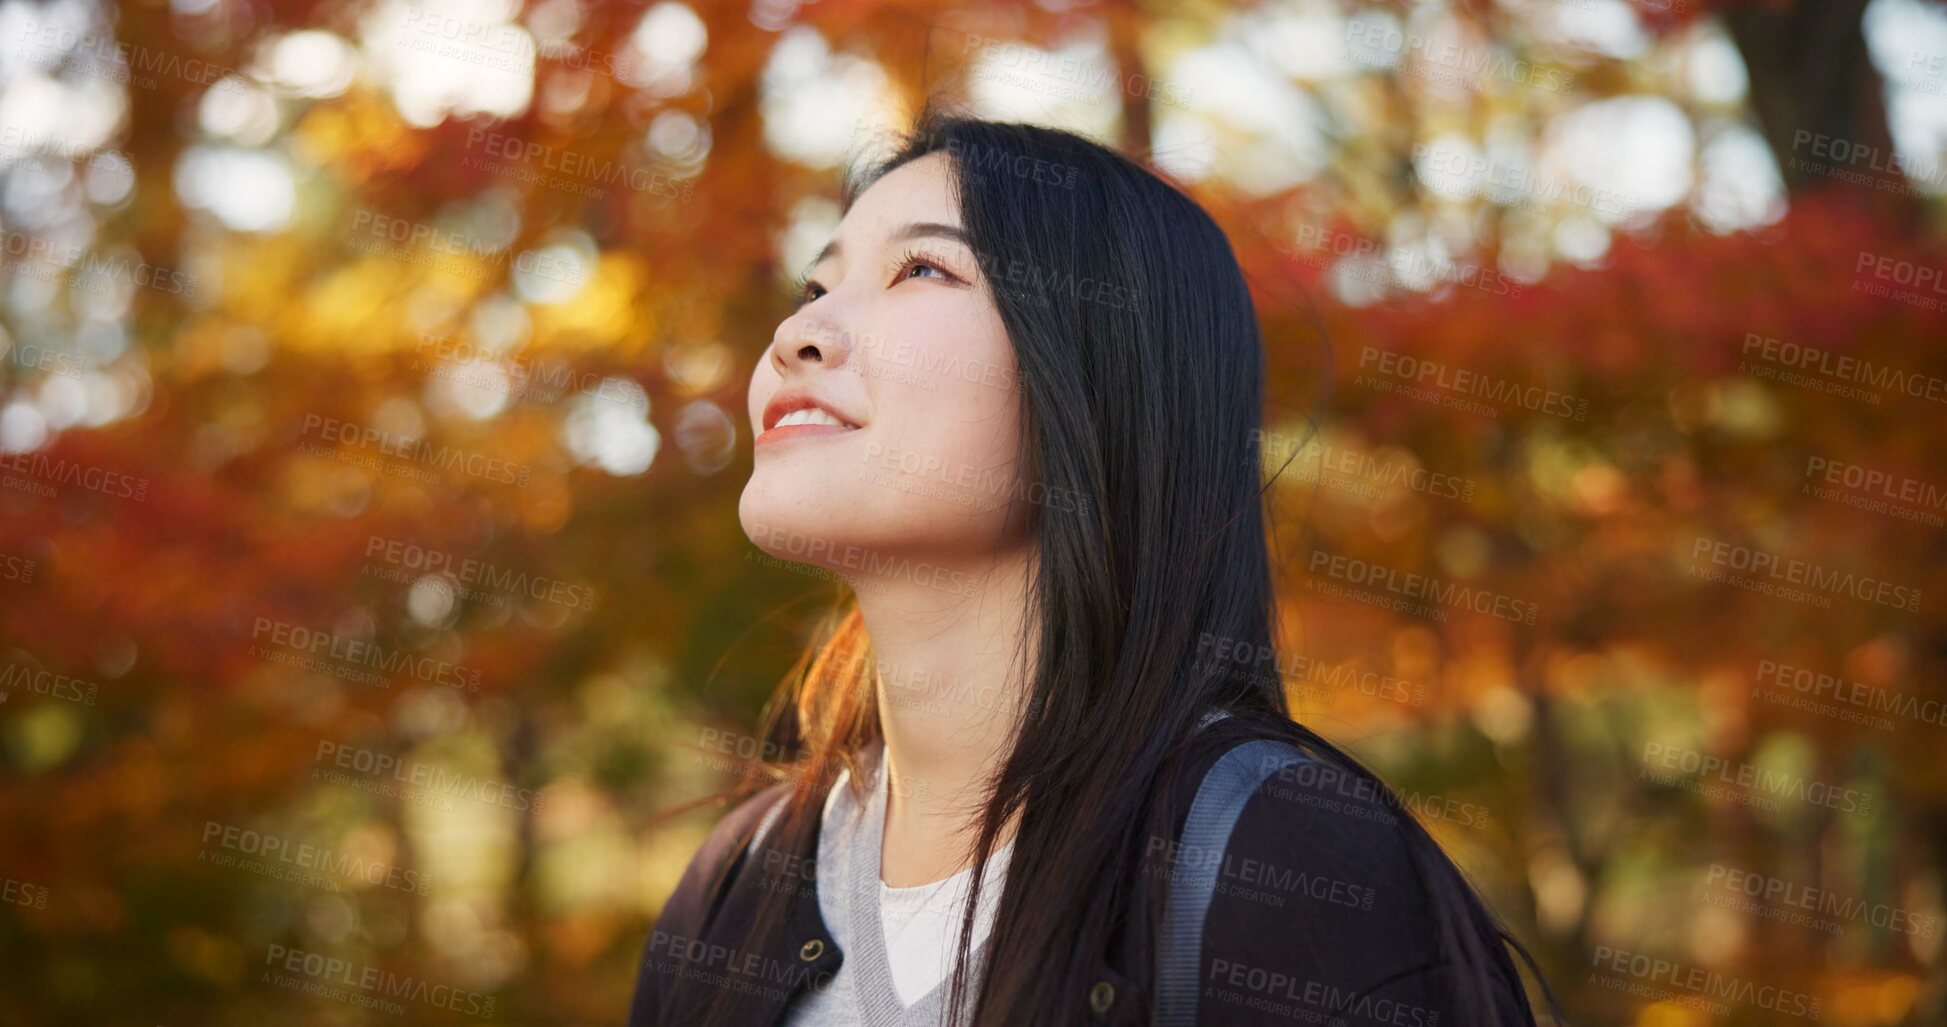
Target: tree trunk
[(1126, 21), (1816, 94)]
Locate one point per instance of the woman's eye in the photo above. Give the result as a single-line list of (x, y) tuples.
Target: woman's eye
[(917, 265)]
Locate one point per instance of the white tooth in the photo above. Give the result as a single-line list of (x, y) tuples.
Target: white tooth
[(809, 415)]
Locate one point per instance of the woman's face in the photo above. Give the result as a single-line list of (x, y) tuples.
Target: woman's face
[(886, 410)]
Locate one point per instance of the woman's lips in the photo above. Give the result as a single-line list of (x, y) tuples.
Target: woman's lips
[(799, 431), (797, 414)]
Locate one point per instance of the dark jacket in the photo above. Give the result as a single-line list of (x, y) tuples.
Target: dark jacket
[(1317, 916)]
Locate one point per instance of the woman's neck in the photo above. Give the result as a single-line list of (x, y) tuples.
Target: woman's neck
[(949, 705)]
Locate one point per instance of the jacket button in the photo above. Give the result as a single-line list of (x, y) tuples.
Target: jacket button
[(1101, 996), (811, 950)]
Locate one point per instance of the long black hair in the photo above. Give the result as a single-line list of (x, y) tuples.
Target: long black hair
[(1141, 387)]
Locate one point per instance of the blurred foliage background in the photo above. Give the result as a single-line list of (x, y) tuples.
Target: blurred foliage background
[(371, 432)]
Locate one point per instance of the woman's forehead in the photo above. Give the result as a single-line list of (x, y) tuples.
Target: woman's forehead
[(918, 190)]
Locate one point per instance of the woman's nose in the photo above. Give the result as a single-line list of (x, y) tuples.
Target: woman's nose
[(805, 338)]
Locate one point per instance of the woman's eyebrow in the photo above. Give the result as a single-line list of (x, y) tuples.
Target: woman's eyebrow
[(923, 229), (916, 230)]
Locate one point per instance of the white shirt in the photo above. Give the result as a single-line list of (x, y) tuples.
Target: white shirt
[(897, 975), (922, 923)]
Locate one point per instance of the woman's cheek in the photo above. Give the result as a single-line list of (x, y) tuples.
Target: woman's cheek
[(963, 452), (763, 384)]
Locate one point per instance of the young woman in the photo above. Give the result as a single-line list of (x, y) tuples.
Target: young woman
[(1017, 410)]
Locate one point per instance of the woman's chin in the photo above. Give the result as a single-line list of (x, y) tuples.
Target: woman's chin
[(789, 523)]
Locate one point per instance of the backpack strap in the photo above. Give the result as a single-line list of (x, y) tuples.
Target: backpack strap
[(1220, 800)]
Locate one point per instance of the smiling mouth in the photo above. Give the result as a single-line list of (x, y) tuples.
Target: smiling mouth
[(804, 423), (809, 415)]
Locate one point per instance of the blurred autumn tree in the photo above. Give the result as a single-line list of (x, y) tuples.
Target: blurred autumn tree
[(418, 381)]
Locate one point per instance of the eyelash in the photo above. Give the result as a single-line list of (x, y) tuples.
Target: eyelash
[(897, 271)]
